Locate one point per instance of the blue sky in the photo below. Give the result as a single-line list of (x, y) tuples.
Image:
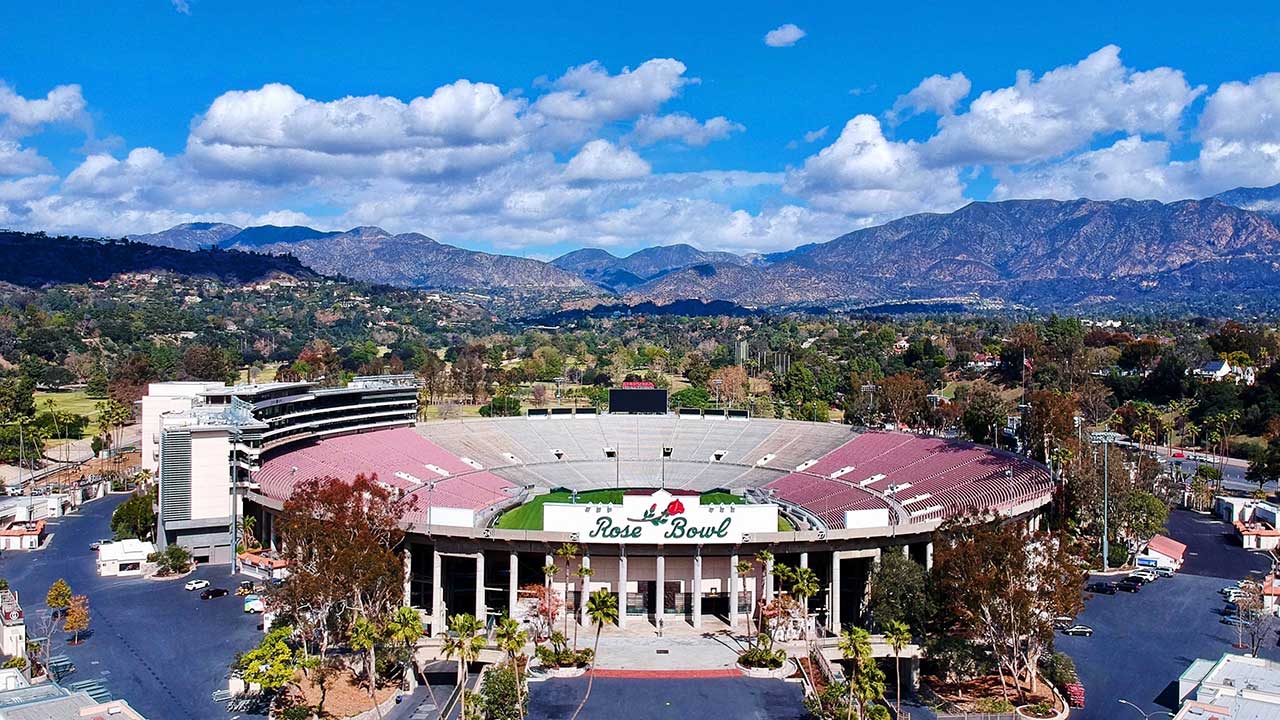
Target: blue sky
[(540, 128)]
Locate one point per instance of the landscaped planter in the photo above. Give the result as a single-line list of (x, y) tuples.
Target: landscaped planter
[(564, 672), (1025, 712), (786, 670)]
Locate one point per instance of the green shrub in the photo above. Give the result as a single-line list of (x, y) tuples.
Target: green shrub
[(1060, 670), (296, 712), (762, 654), (993, 706)]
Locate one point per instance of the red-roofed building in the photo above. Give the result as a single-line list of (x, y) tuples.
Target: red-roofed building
[(1165, 551)]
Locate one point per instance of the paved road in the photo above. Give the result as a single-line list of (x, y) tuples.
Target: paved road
[(1144, 641), (152, 643), (612, 699)]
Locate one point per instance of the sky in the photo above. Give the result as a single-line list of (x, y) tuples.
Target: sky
[(539, 128)]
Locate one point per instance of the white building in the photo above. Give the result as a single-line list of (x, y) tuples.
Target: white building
[(1223, 371), (13, 626), (1235, 687), (123, 557), (204, 442), (1255, 521)]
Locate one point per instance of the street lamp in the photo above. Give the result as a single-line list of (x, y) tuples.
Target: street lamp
[(1106, 438), (666, 453), (1145, 715)]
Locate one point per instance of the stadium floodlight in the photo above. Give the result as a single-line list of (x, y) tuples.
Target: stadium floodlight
[(666, 453)]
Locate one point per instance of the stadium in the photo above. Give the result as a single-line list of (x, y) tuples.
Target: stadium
[(661, 505)]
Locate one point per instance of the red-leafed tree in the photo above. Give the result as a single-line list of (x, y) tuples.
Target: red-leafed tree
[(340, 540)]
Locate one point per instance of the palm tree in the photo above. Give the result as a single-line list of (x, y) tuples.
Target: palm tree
[(567, 551), (365, 636), (247, 523), (464, 642), (765, 559), (405, 628), (898, 635), (744, 569), (602, 609), (584, 573), (512, 639), (864, 685), (804, 585)]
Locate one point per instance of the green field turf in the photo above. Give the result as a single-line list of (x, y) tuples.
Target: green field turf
[(75, 401), (529, 515)]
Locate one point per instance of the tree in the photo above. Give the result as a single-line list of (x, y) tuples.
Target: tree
[(273, 663), (135, 517), (58, 599), (511, 639), (764, 559), (203, 362), (804, 585), (744, 569), (602, 609), (567, 552), (1140, 516), (338, 540), (365, 637), (77, 617), (1264, 467), (733, 384), (866, 681), (904, 396), (898, 635), (463, 642), (900, 592), (404, 628), (984, 413), (501, 697), (1001, 585)]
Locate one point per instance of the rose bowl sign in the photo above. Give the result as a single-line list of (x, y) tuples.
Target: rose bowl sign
[(659, 518)]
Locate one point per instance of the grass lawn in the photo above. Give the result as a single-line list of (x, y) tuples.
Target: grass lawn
[(529, 515), (73, 401)]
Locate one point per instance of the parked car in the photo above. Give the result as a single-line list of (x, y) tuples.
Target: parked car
[(1149, 574), (1140, 579), (1129, 585), (196, 585), (1163, 571), (211, 593), (1062, 621), (1082, 630), (1235, 621), (1102, 588), (253, 604), (99, 543)]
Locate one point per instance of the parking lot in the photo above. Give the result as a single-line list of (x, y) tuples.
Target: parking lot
[(1143, 641), (612, 698), (150, 642)]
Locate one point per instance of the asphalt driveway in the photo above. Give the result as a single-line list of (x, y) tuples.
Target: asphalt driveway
[(1142, 642), (662, 699), (151, 642)]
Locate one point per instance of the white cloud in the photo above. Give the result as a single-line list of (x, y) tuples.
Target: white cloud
[(602, 160), (22, 116), (16, 160), (937, 94), (182, 6), (815, 135), (864, 173), (783, 36), (589, 94), (1129, 168), (650, 129), (1064, 109)]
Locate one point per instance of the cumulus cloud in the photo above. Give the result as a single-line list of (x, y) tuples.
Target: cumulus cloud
[(1129, 168), (650, 129), (1064, 109), (783, 36), (589, 94), (937, 94), (864, 173), (602, 160), (63, 104), (182, 6)]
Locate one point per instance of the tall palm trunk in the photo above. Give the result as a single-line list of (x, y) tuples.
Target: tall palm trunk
[(897, 668), (462, 686), (595, 647)]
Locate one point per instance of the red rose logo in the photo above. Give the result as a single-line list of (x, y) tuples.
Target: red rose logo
[(675, 508)]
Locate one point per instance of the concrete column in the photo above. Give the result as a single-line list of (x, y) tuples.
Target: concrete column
[(734, 580), (768, 580), (481, 614), (584, 583), (833, 596), (697, 589), (437, 593), (928, 555), (622, 591), (408, 572), (906, 551), (804, 559), (513, 577), (660, 582)]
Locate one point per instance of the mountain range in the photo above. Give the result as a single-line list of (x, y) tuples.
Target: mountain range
[(1222, 251)]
